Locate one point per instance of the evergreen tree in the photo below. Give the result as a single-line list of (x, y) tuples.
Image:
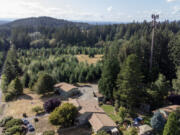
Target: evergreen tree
[(110, 69), (44, 84), (4, 83), (158, 122), (25, 80), (11, 68), (176, 82), (15, 87), (172, 126), (158, 92), (129, 82)]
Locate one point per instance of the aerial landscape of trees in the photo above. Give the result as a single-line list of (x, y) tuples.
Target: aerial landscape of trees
[(38, 56)]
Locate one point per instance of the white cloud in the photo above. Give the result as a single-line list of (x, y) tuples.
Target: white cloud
[(170, 0), (176, 10), (109, 9)]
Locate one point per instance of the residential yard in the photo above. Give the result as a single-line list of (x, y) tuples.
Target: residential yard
[(25, 103), (109, 109), (43, 125), (85, 130), (86, 58)]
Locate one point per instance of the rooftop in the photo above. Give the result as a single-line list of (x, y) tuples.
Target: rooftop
[(100, 120), (169, 109)]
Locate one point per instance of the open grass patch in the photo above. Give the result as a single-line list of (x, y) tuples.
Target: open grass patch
[(86, 58), (110, 111)]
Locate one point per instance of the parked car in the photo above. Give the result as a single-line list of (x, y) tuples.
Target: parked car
[(30, 128), (26, 122)]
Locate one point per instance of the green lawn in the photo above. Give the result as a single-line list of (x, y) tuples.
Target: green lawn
[(111, 112)]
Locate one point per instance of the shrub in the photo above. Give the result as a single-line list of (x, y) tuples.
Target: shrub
[(16, 130), (37, 109), (51, 132), (12, 126), (5, 120), (131, 131), (64, 115), (158, 122), (123, 113), (36, 119), (24, 115), (51, 104), (13, 122), (8, 96), (102, 132)]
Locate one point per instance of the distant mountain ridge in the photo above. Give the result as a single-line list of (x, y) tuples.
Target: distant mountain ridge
[(3, 22), (41, 21)]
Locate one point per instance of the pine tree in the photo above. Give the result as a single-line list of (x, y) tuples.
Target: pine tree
[(110, 69), (176, 82), (158, 121), (44, 84), (25, 80), (129, 82), (15, 87), (172, 126), (11, 68)]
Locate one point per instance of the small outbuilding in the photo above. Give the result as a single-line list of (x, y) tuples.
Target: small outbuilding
[(66, 90)]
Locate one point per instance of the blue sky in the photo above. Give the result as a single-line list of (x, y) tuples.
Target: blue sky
[(92, 10)]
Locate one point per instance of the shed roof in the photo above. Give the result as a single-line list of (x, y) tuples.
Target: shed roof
[(101, 120), (169, 109)]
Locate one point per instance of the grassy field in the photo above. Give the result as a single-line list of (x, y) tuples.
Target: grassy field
[(86, 58), (111, 112), (24, 104)]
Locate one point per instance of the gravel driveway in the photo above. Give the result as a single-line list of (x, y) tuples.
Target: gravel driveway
[(87, 92)]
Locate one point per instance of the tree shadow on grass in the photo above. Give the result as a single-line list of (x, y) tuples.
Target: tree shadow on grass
[(25, 96), (50, 95)]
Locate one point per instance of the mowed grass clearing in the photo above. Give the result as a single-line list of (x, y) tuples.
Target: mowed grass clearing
[(86, 58), (110, 111)]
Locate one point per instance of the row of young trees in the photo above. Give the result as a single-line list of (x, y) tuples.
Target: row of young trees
[(64, 68), (39, 69)]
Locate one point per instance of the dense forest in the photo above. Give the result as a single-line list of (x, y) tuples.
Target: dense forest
[(41, 48)]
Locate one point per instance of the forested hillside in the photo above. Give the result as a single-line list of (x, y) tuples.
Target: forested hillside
[(41, 48)]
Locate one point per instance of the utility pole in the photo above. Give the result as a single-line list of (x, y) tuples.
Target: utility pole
[(154, 17)]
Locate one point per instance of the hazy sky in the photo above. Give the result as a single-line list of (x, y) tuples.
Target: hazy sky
[(92, 10)]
